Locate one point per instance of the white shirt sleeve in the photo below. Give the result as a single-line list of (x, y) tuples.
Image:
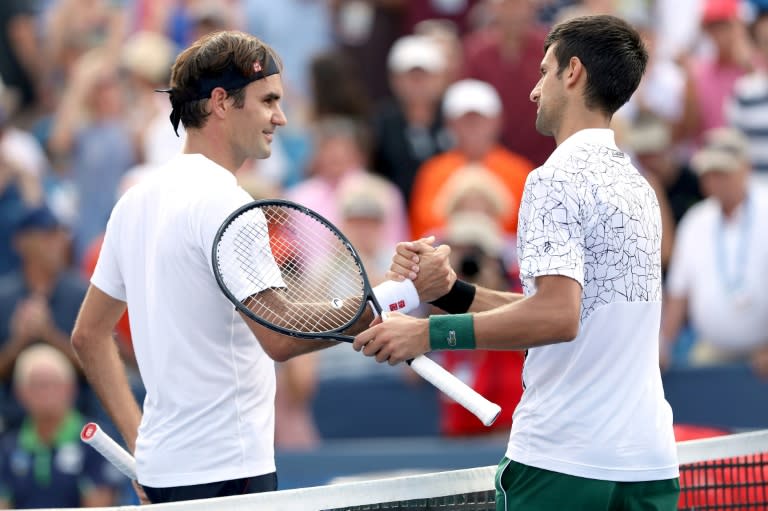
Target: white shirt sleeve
[(246, 263), (551, 233), (107, 275)]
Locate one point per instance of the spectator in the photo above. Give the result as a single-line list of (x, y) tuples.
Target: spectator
[(649, 138), (73, 28), (298, 30), (336, 88), (747, 108), (340, 155), (147, 57), (454, 11), (507, 56), (718, 271), (39, 302), (445, 34), (365, 30), (408, 128), (21, 166), (662, 89), (90, 132), (365, 213), (43, 463), (473, 113), (20, 66), (710, 78)]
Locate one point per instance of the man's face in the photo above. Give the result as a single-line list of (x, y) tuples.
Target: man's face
[(418, 86), (45, 393), (46, 248), (253, 126), (727, 186), (549, 95), (475, 130)]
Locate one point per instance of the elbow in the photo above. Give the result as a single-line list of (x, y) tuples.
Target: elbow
[(569, 331), (279, 355), (567, 328), (276, 348), (78, 340)]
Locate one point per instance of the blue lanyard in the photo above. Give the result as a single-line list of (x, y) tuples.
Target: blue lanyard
[(734, 283)]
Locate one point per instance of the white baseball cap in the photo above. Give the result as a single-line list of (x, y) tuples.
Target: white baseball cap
[(467, 96), (725, 149), (416, 52)]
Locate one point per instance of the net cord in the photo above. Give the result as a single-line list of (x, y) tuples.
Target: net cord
[(430, 485)]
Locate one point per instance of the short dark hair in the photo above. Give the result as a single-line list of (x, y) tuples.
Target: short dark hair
[(611, 51), (211, 55)]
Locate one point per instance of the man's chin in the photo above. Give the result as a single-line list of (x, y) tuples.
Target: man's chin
[(543, 129), (263, 153)]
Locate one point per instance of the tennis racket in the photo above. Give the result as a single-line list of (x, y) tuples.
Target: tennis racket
[(292, 271), (94, 436)]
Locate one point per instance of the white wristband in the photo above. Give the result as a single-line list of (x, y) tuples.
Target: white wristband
[(396, 296)]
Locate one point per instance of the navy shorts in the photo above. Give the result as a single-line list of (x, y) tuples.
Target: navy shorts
[(256, 484)]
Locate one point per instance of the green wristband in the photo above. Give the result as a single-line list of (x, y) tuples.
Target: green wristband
[(452, 332)]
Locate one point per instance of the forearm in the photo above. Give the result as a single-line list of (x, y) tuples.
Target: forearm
[(105, 372), (522, 324), (489, 299)]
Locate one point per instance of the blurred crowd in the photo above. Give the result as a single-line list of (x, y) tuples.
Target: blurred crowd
[(406, 118)]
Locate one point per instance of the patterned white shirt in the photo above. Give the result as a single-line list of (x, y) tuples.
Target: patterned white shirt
[(594, 407)]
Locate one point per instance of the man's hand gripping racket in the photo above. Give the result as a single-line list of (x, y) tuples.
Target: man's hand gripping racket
[(289, 269)]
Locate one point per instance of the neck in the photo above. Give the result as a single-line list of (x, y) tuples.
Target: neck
[(477, 152), (47, 427), (582, 119), (213, 145), (419, 114), (729, 208), (39, 279)]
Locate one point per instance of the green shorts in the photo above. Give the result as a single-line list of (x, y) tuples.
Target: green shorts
[(521, 487)]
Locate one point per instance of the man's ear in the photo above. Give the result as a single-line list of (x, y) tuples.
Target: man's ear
[(218, 103), (574, 73)]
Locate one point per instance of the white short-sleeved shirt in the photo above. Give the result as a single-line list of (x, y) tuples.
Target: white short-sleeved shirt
[(209, 407), (722, 267), (594, 407)]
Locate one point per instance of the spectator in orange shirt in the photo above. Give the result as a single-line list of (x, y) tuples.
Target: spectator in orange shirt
[(473, 113)]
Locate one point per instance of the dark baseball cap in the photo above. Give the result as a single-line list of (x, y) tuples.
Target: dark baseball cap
[(39, 218)]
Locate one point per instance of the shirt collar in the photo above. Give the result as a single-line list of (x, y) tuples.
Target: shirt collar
[(592, 136), (199, 161), (67, 433)]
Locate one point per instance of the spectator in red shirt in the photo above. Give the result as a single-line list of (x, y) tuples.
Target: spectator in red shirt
[(507, 56)]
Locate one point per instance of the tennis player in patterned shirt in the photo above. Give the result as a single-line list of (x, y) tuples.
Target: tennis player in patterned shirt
[(593, 431)]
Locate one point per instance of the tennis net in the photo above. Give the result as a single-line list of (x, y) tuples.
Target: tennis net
[(722, 473)]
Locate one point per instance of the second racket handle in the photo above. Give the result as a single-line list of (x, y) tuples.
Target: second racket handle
[(93, 435), (456, 389)]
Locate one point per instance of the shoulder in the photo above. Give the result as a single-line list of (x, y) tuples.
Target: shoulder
[(448, 160), (698, 216)]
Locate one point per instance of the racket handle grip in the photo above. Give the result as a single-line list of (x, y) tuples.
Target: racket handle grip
[(94, 436), (456, 389)]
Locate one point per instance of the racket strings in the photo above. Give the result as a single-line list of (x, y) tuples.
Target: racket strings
[(315, 281), (319, 267)]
